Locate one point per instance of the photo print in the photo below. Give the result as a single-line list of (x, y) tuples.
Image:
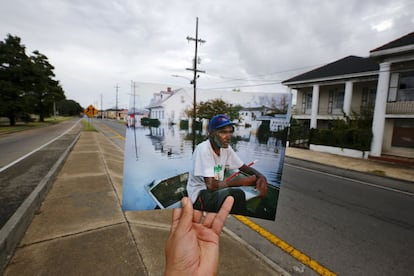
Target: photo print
[(162, 135)]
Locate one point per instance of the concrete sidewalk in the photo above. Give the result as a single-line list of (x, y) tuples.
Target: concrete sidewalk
[(392, 170), (80, 228)]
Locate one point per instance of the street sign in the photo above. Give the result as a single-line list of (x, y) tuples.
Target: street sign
[(91, 111)]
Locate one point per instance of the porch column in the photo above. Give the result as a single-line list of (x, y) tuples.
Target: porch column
[(380, 108), (348, 97), (315, 104), (289, 111)]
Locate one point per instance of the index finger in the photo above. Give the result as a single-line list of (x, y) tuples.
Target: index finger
[(221, 216)]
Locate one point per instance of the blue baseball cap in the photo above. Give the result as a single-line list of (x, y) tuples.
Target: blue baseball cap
[(219, 121)]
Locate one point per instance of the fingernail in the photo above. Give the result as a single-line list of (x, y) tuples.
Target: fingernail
[(184, 201)]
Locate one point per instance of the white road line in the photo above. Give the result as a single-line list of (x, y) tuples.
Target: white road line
[(353, 180), (35, 150)]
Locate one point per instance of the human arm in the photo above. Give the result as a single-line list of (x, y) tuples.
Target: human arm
[(214, 184), (261, 181), (193, 244)]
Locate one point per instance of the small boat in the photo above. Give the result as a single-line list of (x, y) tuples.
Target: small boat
[(167, 193)]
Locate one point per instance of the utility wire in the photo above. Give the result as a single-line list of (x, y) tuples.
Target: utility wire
[(249, 85)]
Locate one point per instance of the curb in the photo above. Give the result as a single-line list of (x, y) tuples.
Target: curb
[(256, 252), (14, 229)]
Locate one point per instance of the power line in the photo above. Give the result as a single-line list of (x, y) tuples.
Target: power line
[(230, 79), (249, 85)]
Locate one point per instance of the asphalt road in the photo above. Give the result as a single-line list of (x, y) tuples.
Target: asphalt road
[(343, 220), (15, 145), (345, 223), (41, 150)]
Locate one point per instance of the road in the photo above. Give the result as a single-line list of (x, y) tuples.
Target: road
[(343, 220), (27, 159), (15, 145)]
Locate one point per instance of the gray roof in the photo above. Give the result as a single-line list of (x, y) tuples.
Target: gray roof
[(345, 66), (405, 40)]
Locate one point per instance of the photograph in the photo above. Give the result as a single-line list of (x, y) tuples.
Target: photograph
[(235, 147)]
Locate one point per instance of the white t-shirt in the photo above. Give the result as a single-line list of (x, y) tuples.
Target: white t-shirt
[(206, 163)]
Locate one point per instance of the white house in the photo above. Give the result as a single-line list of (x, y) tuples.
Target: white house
[(383, 81), (169, 106)]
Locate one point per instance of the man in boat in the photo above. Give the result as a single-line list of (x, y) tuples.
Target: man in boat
[(206, 185)]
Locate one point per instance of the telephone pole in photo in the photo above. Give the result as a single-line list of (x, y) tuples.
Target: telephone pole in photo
[(194, 81)]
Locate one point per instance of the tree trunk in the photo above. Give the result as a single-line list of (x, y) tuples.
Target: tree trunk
[(12, 120)]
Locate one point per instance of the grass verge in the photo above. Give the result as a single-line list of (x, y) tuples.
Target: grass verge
[(87, 126), (21, 126)]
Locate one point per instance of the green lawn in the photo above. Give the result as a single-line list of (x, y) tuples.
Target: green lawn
[(87, 126), (21, 126)]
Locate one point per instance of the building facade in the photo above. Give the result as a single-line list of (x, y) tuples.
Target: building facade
[(384, 82), (169, 106)]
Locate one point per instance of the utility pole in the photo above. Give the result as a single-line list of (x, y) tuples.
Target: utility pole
[(116, 105), (194, 69), (102, 116), (133, 93)]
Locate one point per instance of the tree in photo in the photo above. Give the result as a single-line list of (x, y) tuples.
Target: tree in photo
[(213, 107)]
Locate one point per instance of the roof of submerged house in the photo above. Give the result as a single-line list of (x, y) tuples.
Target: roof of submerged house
[(345, 66)]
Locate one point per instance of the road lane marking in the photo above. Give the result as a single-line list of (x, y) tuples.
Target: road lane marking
[(304, 259), (354, 180), (116, 134), (37, 149)]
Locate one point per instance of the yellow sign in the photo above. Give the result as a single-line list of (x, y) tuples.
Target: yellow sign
[(91, 111)]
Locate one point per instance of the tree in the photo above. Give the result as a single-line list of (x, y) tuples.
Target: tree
[(14, 72), (213, 107), (44, 90), (69, 108)]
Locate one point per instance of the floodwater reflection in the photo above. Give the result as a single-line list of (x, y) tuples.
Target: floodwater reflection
[(154, 153)]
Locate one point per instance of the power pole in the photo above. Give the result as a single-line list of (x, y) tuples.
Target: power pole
[(194, 69), (102, 116), (133, 89), (116, 105)]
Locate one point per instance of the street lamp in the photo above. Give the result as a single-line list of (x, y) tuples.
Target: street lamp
[(179, 76)]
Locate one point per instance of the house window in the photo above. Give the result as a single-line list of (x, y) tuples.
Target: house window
[(306, 101), (335, 100), (405, 91), (339, 99), (368, 97), (403, 133), (392, 92)]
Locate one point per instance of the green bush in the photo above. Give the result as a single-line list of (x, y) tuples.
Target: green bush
[(150, 122), (351, 138)]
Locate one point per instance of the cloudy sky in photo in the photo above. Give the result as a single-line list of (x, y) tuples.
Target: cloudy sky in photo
[(96, 45)]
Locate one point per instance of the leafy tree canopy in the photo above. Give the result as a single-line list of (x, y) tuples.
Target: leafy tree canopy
[(27, 84), (69, 108), (14, 72), (213, 107)]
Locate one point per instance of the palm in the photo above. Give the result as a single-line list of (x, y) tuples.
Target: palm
[(193, 245)]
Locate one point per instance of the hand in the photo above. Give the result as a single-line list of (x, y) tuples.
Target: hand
[(193, 245), (261, 185)]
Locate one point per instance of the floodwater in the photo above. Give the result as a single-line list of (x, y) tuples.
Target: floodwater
[(158, 153)]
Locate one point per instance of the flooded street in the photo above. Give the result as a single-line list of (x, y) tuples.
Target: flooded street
[(158, 153)]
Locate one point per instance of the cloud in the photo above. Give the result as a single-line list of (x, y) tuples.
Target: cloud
[(95, 45)]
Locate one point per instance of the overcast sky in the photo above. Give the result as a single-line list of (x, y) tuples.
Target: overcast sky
[(95, 45)]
